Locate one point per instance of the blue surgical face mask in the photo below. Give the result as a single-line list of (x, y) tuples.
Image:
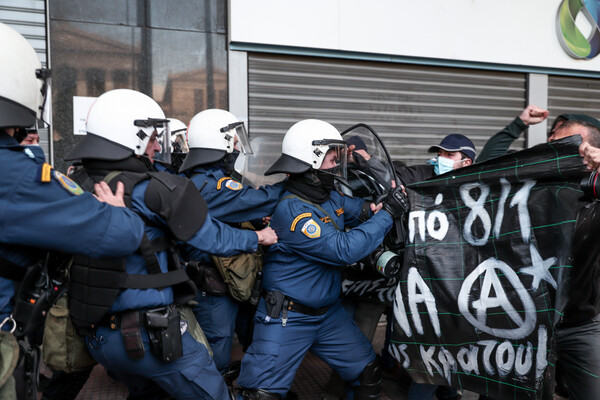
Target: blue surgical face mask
[(443, 165)]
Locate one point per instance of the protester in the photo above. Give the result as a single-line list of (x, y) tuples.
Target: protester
[(455, 151), (578, 333), (498, 144)]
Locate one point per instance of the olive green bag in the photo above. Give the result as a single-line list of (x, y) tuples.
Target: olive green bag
[(239, 273), (9, 357), (63, 349)]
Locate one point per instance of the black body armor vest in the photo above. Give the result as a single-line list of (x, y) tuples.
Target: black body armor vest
[(96, 283)]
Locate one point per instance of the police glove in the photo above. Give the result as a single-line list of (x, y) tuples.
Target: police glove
[(396, 203)]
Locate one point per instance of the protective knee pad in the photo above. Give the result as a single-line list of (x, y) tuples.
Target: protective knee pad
[(258, 394), (370, 382)]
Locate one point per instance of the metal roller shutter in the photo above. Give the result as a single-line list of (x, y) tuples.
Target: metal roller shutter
[(411, 106), (28, 17), (568, 95)]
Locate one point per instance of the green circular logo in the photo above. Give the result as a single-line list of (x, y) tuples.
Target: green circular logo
[(570, 37)]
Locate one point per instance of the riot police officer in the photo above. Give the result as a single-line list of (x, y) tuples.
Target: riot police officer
[(301, 309), (127, 308), (179, 146), (213, 138), (40, 208)]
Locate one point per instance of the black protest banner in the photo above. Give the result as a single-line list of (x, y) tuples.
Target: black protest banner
[(486, 258), (376, 289)]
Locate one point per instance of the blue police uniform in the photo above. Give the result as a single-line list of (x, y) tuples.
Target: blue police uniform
[(194, 375), (305, 265), (159, 166), (42, 208), (228, 201)]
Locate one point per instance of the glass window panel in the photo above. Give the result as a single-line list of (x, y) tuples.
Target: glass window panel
[(121, 78), (195, 15), (184, 71), (103, 11), (95, 79), (185, 64)]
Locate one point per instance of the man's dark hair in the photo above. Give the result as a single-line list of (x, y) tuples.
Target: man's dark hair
[(593, 131), (573, 117)]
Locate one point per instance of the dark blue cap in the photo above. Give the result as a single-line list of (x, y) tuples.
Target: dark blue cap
[(456, 142)]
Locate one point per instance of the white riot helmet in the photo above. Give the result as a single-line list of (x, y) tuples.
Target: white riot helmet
[(179, 146), (23, 84), (212, 135), (305, 146), (178, 136), (120, 123)]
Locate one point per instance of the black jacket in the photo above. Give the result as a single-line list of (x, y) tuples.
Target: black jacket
[(413, 173), (584, 287)]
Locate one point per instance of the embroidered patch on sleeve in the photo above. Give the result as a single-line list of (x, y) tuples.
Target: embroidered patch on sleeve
[(44, 174), (220, 182), (229, 183), (311, 229), (233, 185), (298, 218), (67, 183)]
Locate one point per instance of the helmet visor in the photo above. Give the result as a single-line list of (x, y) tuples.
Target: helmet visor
[(335, 156), (236, 133), (44, 75), (164, 140), (178, 142), (159, 145)]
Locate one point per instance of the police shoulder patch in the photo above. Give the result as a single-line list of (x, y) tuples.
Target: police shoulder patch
[(229, 183), (311, 229), (67, 183), (298, 218), (233, 185)]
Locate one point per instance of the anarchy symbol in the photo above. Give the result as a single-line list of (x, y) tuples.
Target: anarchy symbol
[(490, 269)]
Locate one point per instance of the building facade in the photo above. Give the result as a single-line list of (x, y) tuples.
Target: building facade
[(414, 71)]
